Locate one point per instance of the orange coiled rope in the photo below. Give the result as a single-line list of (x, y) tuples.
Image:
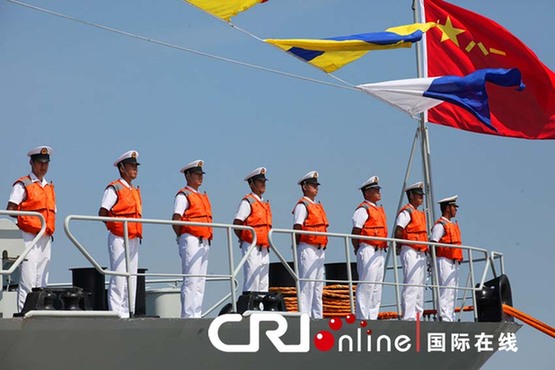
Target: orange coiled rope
[(335, 300), (533, 322)]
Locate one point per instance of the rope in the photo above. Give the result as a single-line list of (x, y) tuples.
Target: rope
[(533, 322), (180, 48)]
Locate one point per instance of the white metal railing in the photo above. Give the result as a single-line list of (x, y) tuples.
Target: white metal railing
[(232, 276), (470, 286), (392, 243), (29, 246)]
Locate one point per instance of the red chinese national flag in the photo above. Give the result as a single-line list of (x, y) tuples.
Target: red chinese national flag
[(464, 42)]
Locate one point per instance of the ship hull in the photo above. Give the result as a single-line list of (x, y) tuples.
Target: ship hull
[(149, 343)]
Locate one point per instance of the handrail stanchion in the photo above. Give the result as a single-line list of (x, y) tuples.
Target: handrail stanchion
[(231, 264), (396, 275), (435, 280), (296, 268), (491, 260), (473, 283), (463, 300), (130, 294), (349, 274)]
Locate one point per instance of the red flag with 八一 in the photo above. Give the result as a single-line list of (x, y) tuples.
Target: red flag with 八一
[(464, 42)]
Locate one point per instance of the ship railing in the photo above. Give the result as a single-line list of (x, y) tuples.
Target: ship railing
[(233, 270), (21, 257), (470, 259)]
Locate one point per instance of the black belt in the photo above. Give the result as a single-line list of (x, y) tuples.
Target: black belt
[(201, 240), (375, 248)]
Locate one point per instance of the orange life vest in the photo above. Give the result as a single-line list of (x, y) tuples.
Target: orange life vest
[(260, 219), (128, 205), (316, 220), (375, 225), (416, 229), (199, 210), (452, 235), (39, 199)]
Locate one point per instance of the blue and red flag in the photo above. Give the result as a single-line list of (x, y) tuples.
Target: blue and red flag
[(464, 42), (416, 95)]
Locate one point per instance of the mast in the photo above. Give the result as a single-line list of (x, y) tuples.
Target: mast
[(422, 71)]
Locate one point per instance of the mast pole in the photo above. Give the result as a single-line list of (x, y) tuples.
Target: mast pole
[(422, 69), (421, 66)]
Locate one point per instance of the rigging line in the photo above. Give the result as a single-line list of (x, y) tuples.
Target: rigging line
[(181, 48)]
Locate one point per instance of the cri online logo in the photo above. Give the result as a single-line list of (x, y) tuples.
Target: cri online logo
[(323, 340), (273, 335)]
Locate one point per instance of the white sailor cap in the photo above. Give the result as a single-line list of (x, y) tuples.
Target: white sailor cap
[(417, 188), (194, 166), (311, 177), (450, 201), (128, 157), (257, 174), (372, 182), (40, 153)]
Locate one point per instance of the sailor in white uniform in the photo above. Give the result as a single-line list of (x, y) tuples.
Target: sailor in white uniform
[(122, 199), (448, 259), (310, 216), (369, 220), (42, 199), (194, 241), (411, 225), (253, 211)]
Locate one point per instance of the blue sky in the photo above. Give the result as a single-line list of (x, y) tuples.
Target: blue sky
[(92, 95)]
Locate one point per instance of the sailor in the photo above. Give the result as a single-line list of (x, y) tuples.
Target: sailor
[(411, 225), (122, 199), (194, 241), (255, 212), (369, 220), (310, 216), (448, 259), (34, 193)]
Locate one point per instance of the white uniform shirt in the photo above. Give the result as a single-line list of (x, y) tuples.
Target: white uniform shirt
[(438, 231), (181, 203), (300, 213), (19, 194), (109, 198), (244, 209), (361, 215), (403, 219)]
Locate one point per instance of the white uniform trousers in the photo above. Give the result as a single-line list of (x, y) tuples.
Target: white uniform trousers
[(118, 293), (34, 269), (370, 267), (311, 266), (194, 261), (414, 269), (255, 269), (448, 273)]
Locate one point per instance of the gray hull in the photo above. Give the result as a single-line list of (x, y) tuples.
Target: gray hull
[(148, 343)]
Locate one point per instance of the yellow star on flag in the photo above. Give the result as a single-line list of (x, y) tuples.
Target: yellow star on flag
[(449, 32)]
